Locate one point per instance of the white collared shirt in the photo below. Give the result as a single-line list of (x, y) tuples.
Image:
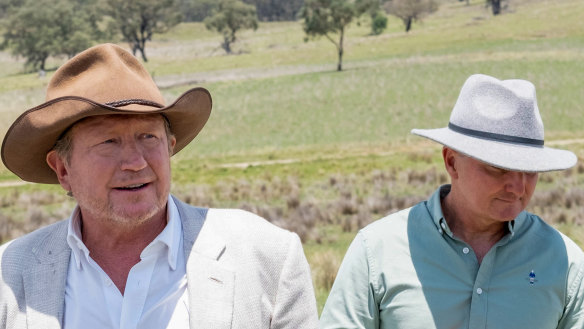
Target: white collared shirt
[(155, 295)]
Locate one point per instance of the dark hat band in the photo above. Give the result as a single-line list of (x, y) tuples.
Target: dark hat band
[(134, 101), (494, 136)]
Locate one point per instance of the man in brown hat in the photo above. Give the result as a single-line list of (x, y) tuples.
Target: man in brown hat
[(470, 257), (131, 255)]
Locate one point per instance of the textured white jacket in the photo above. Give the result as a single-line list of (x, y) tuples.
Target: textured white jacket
[(242, 272)]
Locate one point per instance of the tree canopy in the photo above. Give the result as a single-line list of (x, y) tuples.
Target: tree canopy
[(496, 5), (327, 18), (9, 6), (229, 17), (276, 10), (266, 10), (62, 27), (197, 10), (374, 9), (138, 20), (411, 10)]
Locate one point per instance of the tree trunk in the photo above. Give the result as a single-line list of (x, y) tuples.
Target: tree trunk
[(226, 45), (408, 22), (340, 64), (43, 63), (143, 52), (136, 47), (496, 4)]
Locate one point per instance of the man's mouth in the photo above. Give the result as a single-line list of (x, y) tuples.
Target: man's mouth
[(133, 187), (509, 200)]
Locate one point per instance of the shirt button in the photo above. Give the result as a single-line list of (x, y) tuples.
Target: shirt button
[(443, 225), (479, 291), (465, 250)]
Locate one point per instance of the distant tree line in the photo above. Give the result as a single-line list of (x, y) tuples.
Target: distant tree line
[(39, 29), (267, 10), (289, 10)]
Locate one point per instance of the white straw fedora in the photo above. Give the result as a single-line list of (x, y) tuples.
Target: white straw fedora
[(498, 122), (102, 80)]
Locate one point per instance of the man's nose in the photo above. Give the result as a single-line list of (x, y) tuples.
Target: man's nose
[(515, 182), (132, 158)]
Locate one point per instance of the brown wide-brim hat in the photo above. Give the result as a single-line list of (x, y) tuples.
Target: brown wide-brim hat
[(102, 80)]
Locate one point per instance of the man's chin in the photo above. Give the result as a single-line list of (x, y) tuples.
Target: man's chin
[(509, 215), (135, 216)]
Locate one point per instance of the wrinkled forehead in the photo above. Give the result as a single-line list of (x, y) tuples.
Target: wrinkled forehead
[(117, 118), (95, 123)]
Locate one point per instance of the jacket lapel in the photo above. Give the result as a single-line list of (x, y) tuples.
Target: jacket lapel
[(44, 283), (210, 285)]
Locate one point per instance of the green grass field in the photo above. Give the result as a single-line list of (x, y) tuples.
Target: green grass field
[(284, 118)]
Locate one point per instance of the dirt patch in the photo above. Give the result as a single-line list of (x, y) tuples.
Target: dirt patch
[(170, 81)]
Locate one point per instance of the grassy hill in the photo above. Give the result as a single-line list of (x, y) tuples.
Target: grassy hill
[(324, 152)]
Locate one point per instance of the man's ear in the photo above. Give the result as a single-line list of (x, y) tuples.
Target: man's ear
[(58, 165), (450, 157), (171, 144)]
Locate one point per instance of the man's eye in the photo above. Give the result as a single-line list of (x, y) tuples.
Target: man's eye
[(108, 141), (496, 170)]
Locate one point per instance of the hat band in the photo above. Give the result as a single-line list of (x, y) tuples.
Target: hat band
[(134, 101), (494, 136)]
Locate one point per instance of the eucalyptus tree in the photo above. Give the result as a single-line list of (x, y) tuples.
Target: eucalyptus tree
[(228, 18), (329, 19), (373, 9), (411, 10), (61, 27), (276, 10), (139, 20), (196, 10), (495, 5)]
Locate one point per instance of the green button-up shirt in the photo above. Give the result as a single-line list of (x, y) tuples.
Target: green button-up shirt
[(408, 270)]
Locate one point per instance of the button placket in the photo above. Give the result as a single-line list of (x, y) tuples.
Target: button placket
[(479, 298)]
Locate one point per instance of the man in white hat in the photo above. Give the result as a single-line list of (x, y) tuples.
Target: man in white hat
[(131, 255), (470, 256)]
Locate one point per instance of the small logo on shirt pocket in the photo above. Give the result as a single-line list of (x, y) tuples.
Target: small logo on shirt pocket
[(531, 278)]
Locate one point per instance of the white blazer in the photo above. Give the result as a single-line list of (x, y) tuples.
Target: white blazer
[(242, 272)]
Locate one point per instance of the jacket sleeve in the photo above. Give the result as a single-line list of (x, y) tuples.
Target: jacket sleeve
[(351, 302), (295, 305)]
